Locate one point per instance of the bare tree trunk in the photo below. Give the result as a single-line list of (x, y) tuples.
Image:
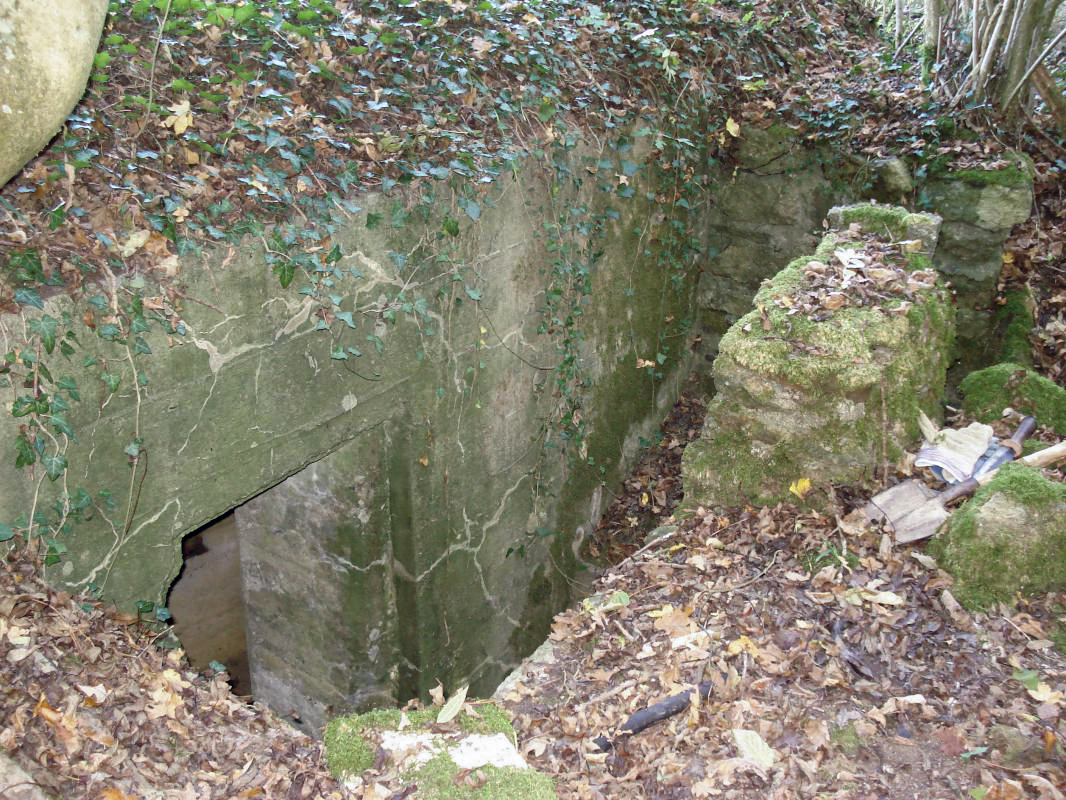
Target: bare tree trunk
[(1016, 56), (933, 11), (899, 22), (1045, 85)]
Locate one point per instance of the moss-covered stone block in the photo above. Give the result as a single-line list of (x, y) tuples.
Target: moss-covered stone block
[(427, 757), (895, 222), (988, 391), (824, 394), (1015, 319), (1009, 539), (48, 48), (979, 208)]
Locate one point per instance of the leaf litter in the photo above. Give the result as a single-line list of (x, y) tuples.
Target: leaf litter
[(92, 707), (841, 667)]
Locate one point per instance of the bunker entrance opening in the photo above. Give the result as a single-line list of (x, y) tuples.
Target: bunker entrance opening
[(206, 602)]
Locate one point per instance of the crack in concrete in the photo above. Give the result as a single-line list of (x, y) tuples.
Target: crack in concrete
[(121, 541)]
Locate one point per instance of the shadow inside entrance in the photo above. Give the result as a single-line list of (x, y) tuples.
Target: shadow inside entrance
[(206, 603)]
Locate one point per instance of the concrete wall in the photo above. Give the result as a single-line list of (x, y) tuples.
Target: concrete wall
[(413, 519)]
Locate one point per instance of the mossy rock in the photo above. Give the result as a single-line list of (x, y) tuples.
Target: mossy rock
[(991, 199), (1014, 320), (1017, 175), (988, 391), (352, 745), (1009, 539), (898, 223), (822, 399)]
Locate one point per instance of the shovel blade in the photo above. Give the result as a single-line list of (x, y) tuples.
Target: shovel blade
[(896, 502), (921, 523)]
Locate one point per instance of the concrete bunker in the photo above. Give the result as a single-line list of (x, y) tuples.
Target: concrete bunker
[(390, 451)]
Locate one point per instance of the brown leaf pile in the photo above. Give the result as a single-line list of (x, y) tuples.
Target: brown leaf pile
[(653, 489), (846, 656), (91, 707), (1036, 256), (865, 271)]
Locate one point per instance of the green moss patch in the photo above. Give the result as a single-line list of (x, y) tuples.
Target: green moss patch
[(878, 219), (439, 780), (350, 744), (988, 391), (1013, 177), (1010, 538), (1015, 320)]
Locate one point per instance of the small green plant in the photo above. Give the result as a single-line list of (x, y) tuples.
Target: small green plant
[(829, 554)]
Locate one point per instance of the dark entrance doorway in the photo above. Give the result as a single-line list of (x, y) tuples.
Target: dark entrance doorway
[(206, 603)]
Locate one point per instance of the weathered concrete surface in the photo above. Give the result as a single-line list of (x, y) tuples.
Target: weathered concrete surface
[(823, 396), (318, 568), (434, 452), (46, 53)]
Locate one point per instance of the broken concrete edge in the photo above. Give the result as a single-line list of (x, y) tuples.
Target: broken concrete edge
[(1010, 538), (737, 461), (987, 392), (352, 744)]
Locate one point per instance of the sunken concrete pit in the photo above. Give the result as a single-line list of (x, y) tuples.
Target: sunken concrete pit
[(415, 459)]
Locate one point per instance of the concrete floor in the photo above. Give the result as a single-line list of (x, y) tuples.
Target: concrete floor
[(206, 602)]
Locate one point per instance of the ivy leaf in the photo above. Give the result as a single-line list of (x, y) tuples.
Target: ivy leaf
[(54, 465), (29, 297), (6, 532), (285, 272), (112, 380), (59, 422), (450, 226), (69, 385), (109, 331), (473, 294), (45, 327), (24, 453), (23, 405), (472, 209)]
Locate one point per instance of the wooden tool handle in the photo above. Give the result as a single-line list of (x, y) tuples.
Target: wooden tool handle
[(1041, 458), (1025, 427)]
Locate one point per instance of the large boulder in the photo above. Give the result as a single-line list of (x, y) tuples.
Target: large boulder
[(1010, 538), (988, 391), (46, 52), (823, 381)]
